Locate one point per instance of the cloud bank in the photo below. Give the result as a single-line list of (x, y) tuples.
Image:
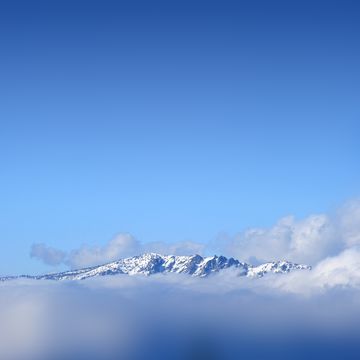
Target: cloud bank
[(308, 315), (308, 240)]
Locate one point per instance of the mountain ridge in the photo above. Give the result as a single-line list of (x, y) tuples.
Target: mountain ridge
[(153, 263)]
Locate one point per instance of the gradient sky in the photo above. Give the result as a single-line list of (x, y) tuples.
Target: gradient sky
[(172, 120)]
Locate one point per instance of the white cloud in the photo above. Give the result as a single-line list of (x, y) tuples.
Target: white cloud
[(47, 254), (309, 240), (348, 223), (122, 245), (341, 270)]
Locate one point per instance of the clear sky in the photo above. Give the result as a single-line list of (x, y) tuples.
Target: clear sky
[(172, 120)]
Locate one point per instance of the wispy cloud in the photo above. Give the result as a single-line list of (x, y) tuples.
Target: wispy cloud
[(122, 245), (47, 254)]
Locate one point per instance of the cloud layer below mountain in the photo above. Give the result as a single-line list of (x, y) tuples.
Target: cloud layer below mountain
[(179, 317)]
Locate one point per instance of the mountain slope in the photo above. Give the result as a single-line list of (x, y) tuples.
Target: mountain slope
[(151, 263)]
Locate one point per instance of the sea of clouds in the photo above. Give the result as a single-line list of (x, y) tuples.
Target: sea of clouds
[(302, 315)]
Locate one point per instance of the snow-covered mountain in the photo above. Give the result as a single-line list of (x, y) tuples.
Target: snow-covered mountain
[(151, 263)]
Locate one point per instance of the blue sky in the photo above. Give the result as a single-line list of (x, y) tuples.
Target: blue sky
[(172, 120)]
